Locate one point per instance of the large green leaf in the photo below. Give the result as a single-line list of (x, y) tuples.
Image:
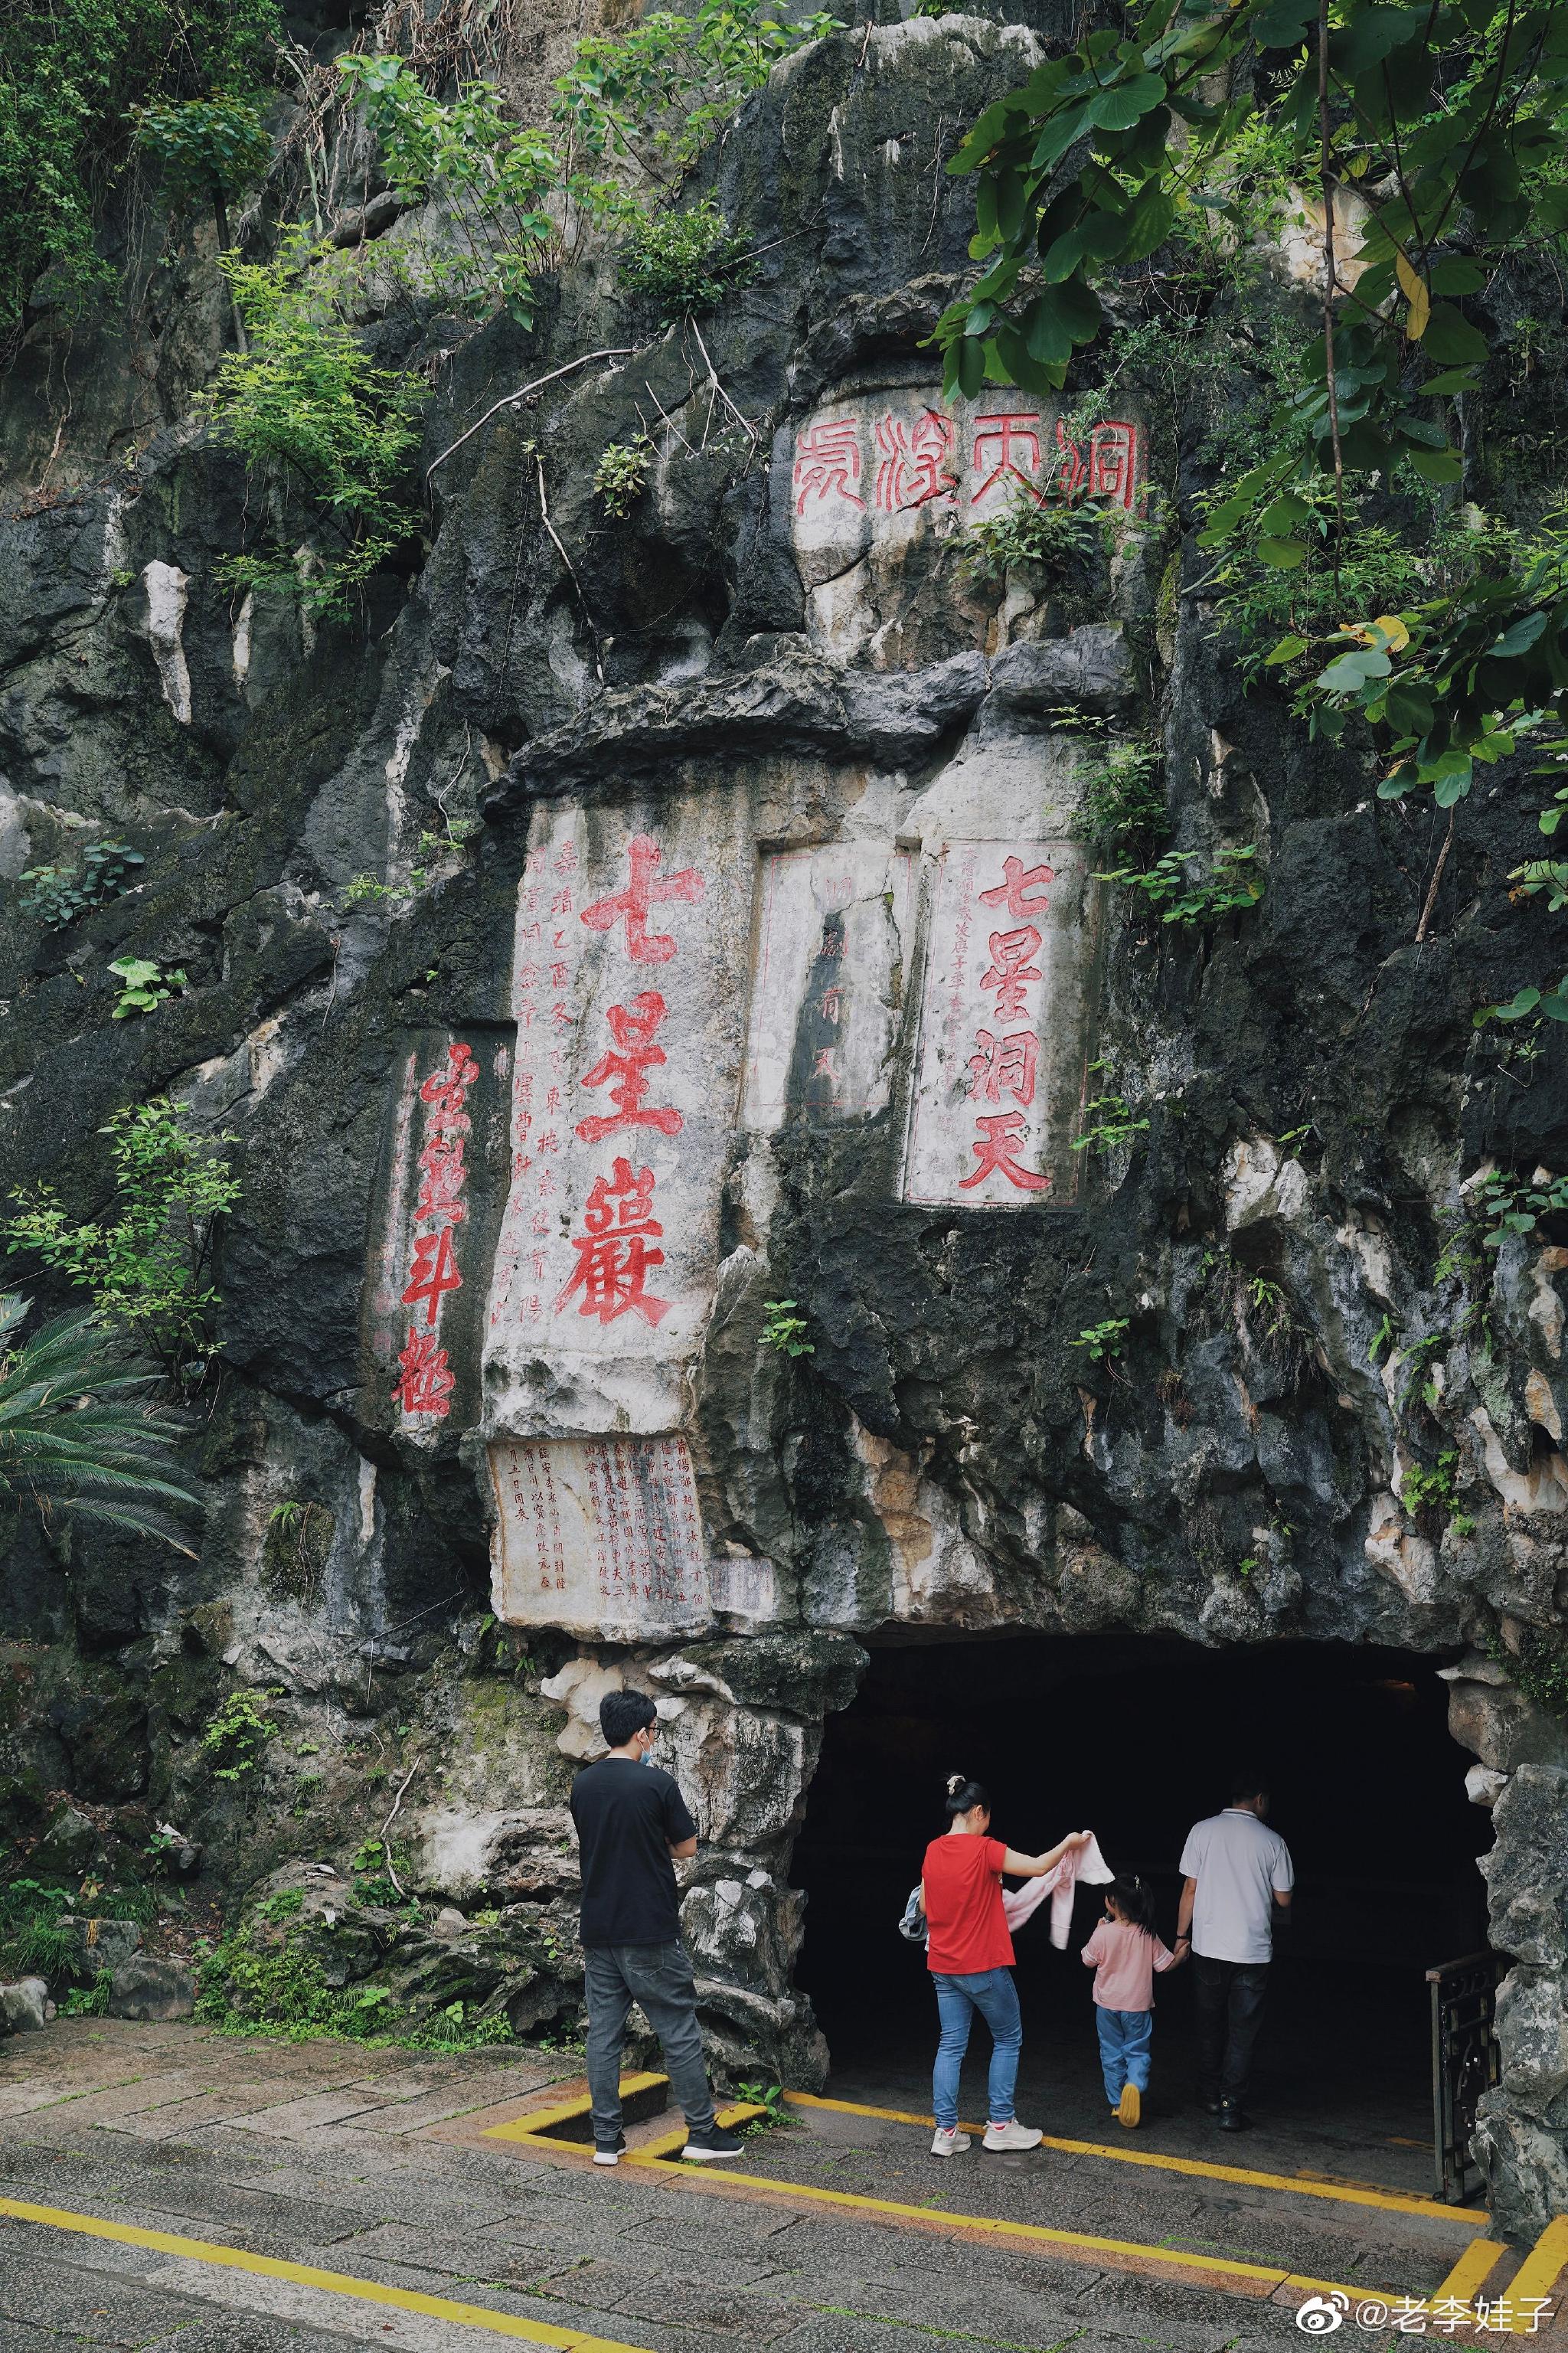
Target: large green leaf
[(1520, 637), (1045, 332), (1350, 672), (1454, 274), (1451, 339), (1150, 223), (1079, 306), (1436, 465), (1021, 366), (1409, 708), (1118, 107), (1283, 23), (1371, 33)]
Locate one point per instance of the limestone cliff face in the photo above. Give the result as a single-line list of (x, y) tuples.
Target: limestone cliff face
[(776, 968)]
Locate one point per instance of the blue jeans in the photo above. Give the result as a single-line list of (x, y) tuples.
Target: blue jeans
[(1124, 2039), (993, 1993)]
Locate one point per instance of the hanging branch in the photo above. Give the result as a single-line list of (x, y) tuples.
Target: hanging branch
[(1437, 877), (571, 567), (512, 399), (743, 422), (385, 1849)]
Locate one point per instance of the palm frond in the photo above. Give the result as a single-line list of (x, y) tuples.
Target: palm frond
[(77, 1425), (140, 1518)]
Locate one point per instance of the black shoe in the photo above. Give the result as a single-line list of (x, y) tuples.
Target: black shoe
[(707, 2147), (609, 2152), (1230, 2116)]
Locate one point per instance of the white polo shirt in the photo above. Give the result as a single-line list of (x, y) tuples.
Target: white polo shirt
[(1240, 1863)]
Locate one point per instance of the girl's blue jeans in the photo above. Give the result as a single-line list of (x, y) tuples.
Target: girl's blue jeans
[(1124, 2039), (993, 1993)]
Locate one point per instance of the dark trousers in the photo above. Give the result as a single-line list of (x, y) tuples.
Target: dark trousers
[(659, 1977), (1228, 1998)]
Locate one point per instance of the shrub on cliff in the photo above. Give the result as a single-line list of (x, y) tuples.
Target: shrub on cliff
[(1430, 151), (676, 263), (147, 1265), (72, 77), (311, 412)]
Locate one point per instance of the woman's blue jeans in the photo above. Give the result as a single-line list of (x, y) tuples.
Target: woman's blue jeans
[(993, 1993)]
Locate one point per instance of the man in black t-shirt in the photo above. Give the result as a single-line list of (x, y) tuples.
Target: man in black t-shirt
[(632, 1828)]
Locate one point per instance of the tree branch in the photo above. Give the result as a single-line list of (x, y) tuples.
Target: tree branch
[(525, 393)]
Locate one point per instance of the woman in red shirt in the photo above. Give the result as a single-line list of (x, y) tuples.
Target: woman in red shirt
[(970, 1956)]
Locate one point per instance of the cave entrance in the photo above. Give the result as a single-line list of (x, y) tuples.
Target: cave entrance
[(1136, 1736)]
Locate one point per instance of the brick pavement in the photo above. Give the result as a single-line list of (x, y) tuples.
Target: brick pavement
[(372, 2164)]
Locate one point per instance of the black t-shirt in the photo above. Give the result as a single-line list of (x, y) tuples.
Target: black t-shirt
[(628, 1816)]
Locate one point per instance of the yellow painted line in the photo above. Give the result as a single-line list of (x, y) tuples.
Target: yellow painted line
[(669, 2143), (237, 2259), (544, 2120), (1344, 2193), (1472, 2270), (1539, 2272), (1128, 2255)]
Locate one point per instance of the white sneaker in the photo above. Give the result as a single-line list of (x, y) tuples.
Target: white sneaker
[(1011, 2134), (949, 2144)]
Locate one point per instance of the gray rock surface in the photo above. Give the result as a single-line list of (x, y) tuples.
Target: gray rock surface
[(102, 1944), (151, 1990), (27, 2005), (339, 818)]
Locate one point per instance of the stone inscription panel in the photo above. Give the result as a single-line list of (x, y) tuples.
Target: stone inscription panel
[(431, 1231), (885, 464), (1000, 1066), (600, 1537), (631, 928), (834, 934)]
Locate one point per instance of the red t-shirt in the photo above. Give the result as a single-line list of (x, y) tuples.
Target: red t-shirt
[(963, 1906)]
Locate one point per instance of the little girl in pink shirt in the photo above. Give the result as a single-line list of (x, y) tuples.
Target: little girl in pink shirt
[(1124, 1953)]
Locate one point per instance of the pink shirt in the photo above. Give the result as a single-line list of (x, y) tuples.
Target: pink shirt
[(1124, 1961)]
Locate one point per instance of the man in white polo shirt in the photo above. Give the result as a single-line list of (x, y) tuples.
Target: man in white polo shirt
[(1237, 1881)]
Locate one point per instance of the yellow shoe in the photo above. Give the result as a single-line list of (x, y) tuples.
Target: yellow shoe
[(1131, 2111)]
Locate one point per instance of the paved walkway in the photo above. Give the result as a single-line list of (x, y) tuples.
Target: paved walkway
[(189, 2191)]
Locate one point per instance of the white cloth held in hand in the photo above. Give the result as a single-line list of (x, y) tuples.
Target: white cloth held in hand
[(1084, 1862)]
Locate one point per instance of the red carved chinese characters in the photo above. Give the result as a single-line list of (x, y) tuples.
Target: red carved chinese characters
[(425, 1382), (625, 1071), (644, 889), (613, 1255), (913, 462), (1006, 1063), (1109, 471), (435, 1272), (994, 1147), (1002, 1066), (1007, 436), (585, 1237), (614, 1250), (1010, 970), (828, 463), (1012, 891), (920, 461)]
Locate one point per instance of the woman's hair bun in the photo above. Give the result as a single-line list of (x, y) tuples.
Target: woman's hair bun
[(955, 1782)]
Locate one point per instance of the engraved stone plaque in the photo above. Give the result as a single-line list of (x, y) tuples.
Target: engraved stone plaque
[(887, 465), (834, 938), (600, 1537), (1001, 1065)]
